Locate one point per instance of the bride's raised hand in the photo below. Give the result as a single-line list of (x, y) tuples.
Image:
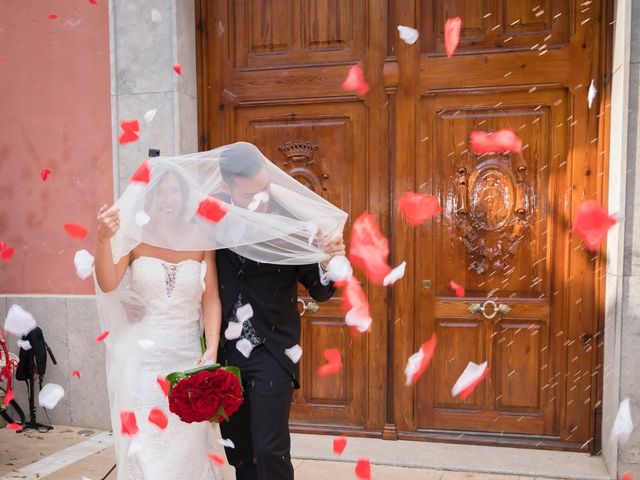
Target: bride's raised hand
[(108, 222)]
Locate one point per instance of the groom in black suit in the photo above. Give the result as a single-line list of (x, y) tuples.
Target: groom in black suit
[(259, 430)]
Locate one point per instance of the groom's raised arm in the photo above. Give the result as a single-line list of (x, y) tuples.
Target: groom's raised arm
[(309, 276)]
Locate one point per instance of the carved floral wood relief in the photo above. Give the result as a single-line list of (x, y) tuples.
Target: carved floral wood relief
[(300, 163), (493, 210)]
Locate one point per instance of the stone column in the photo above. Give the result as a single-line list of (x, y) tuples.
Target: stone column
[(622, 324), (148, 37)]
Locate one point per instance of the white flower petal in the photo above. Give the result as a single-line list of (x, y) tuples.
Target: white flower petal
[(245, 312), (413, 364), (83, 261), (354, 319), (233, 331), (226, 442), (468, 377), (623, 425), (395, 274), (294, 353), (408, 35), (50, 395), (339, 268), (142, 218), (19, 322), (591, 95), (244, 347), (150, 115)]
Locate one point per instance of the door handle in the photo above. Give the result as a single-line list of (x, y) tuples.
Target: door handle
[(312, 307), (501, 309)]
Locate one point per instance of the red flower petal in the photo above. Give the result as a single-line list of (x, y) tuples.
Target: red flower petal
[(418, 208), (6, 252), (469, 390), (428, 348), (8, 397), (130, 129), (128, 421), (212, 209), (592, 223), (14, 426), (142, 174), (76, 230), (363, 468), (339, 444), (353, 296), (44, 174), (52, 16), (369, 249), (177, 68), (217, 459), (459, 289), (130, 125), (332, 355), (158, 417), (452, 35), (627, 476), (76, 373), (164, 384), (355, 81), (95, 2), (102, 336), (504, 140)]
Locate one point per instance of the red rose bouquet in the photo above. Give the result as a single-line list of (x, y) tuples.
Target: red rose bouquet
[(206, 394)]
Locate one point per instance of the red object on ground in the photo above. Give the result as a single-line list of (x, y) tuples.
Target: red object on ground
[(339, 444), (363, 468)]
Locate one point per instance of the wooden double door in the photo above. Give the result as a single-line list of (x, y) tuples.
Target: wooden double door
[(270, 72)]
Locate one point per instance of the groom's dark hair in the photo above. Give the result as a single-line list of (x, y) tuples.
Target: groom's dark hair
[(242, 159)]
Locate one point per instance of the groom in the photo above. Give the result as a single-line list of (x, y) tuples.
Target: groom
[(259, 430)]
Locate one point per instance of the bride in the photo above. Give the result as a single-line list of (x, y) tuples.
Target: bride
[(157, 289), (169, 285)]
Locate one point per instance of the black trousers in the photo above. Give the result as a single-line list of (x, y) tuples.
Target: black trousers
[(260, 428)]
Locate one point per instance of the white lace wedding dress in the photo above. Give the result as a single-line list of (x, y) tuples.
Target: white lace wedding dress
[(169, 340)]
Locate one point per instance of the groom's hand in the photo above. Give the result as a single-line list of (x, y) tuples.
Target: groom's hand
[(334, 246)]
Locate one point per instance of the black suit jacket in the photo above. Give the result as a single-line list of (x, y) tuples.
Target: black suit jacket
[(272, 291)]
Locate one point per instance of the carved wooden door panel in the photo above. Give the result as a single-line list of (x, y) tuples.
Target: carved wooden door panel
[(270, 73), (530, 308)]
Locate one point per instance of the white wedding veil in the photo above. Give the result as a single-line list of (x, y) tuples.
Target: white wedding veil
[(231, 197)]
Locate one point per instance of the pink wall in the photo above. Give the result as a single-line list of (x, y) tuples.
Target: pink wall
[(54, 113)]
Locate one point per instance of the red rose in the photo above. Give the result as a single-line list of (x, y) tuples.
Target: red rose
[(201, 397), (193, 399), (230, 394)]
